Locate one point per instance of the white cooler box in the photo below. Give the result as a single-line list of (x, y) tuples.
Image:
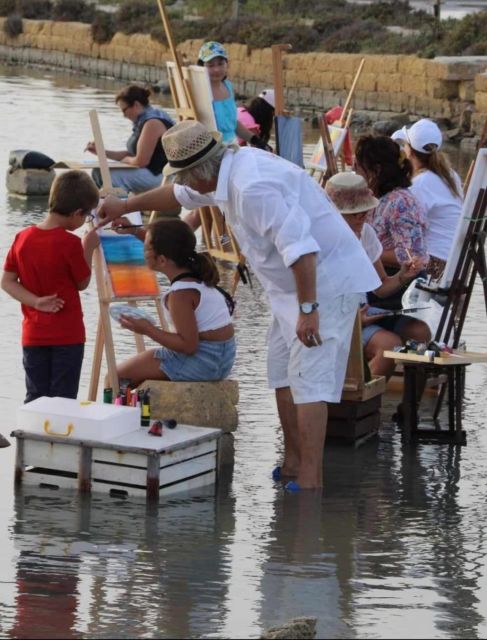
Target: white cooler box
[(77, 419)]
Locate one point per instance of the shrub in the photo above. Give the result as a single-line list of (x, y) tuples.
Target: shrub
[(35, 9), (137, 16), (103, 27), (73, 11), (350, 38), (465, 34), (7, 7), (13, 26)]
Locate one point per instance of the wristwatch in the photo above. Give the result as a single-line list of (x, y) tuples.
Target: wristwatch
[(308, 307)]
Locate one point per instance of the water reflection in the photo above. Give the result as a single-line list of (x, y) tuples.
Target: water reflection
[(106, 568)]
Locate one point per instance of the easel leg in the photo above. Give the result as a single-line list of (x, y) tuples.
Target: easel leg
[(409, 402), (97, 358), (109, 348)]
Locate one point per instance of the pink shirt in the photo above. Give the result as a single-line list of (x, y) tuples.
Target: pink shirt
[(247, 119)]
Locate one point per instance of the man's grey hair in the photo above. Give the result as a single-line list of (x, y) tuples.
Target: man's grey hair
[(205, 171)]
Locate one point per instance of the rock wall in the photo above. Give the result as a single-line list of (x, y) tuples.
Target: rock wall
[(445, 87)]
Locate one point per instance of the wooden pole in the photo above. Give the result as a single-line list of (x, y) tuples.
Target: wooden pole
[(277, 50), (350, 93)]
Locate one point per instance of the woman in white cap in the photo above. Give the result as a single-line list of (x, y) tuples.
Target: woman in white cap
[(258, 115), (352, 197), (436, 185)]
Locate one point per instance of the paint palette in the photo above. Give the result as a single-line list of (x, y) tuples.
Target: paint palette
[(118, 310)]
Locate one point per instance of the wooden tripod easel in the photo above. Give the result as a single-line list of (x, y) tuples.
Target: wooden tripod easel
[(220, 241), (104, 335)]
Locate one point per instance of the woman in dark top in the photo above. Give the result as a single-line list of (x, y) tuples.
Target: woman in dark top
[(144, 148)]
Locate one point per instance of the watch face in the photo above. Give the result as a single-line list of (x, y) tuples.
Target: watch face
[(306, 307)]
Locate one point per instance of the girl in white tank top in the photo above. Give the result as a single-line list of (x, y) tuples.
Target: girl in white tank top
[(201, 344)]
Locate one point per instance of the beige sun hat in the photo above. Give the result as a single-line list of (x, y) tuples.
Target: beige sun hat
[(188, 144), (350, 193)]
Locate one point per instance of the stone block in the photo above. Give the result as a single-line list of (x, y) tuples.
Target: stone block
[(30, 182), (481, 82), (442, 89), (466, 90), (481, 101), (204, 404), (460, 67)]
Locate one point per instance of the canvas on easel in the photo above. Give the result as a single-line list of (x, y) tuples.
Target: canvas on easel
[(192, 97), (121, 276)]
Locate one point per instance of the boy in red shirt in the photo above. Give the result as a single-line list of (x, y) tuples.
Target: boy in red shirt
[(44, 270)]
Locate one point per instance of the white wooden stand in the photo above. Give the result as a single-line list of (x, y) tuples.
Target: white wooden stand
[(135, 463)]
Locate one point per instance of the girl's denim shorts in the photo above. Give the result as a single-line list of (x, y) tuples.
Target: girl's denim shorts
[(212, 361)]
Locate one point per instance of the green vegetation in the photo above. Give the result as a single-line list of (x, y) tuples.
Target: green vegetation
[(308, 25)]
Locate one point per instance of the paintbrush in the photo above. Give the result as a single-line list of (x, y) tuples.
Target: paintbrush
[(129, 226), (400, 312)]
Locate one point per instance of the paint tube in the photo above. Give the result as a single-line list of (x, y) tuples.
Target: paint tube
[(145, 409)]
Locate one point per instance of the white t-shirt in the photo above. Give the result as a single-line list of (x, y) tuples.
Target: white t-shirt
[(443, 210), (371, 243)]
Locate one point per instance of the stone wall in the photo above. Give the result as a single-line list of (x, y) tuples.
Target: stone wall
[(441, 88)]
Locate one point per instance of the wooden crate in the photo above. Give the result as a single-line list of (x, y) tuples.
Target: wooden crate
[(350, 420), (135, 463)]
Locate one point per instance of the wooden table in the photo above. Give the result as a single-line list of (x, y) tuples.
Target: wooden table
[(453, 366)]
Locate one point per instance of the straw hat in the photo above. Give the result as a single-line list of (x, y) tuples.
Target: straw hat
[(423, 136), (188, 144), (349, 193)]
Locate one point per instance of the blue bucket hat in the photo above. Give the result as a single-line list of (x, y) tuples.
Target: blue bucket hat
[(212, 50)]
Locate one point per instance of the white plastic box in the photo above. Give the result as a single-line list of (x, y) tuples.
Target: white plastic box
[(78, 419)]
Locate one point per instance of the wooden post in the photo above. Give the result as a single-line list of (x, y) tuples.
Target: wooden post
[(277, 50), (19, 461), (348, 100)]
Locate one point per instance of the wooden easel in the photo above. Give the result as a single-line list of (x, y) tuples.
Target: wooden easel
[(104, 335), (214, 228)]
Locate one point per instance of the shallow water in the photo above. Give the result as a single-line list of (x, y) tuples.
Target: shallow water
[(394, 548)]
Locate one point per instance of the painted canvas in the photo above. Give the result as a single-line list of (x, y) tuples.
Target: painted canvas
[(124, 257), (317, 162)]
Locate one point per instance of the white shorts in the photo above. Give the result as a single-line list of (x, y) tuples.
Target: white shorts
[(315, 374)]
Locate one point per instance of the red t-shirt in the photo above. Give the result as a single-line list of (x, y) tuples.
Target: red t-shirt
[(50, 262)]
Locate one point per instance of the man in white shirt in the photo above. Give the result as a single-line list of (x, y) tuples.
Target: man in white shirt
[(307, 259)]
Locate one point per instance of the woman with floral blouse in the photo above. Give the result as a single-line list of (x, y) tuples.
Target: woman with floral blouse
[(400, 224)]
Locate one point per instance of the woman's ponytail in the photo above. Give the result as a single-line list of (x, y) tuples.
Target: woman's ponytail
[(204, 268)]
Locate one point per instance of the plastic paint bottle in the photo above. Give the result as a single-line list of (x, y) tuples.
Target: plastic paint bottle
[(145, 409), (119, 399), (108, 395)]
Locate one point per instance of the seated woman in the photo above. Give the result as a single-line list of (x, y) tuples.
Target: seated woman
[(258, 116), (436, 186), (202, 344), (144, 148), (352, 197), (399, 217)]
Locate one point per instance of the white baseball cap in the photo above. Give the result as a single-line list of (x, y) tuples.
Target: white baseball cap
[(269, 96), (423, 136)]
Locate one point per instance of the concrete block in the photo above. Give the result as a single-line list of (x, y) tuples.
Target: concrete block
[(30, 182), (204, 404)]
